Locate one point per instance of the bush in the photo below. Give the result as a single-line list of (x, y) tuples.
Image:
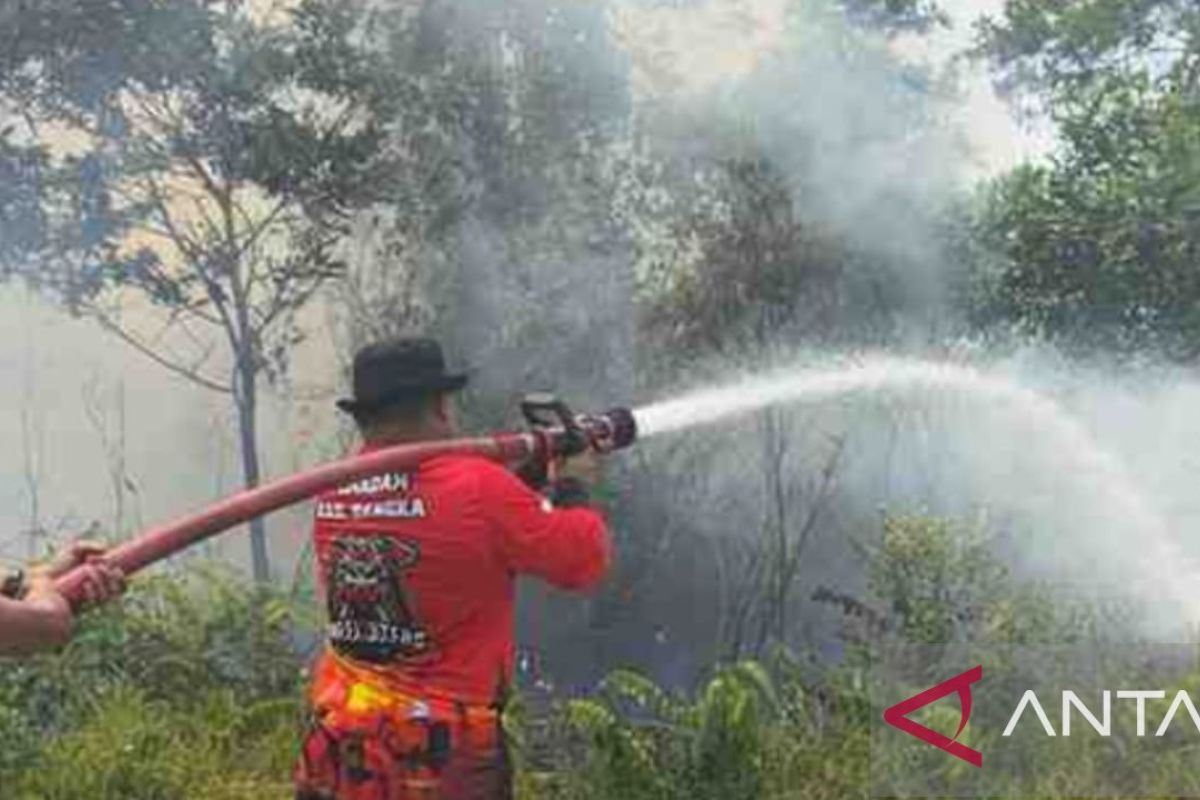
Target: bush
[(189, 688), (747, 732)]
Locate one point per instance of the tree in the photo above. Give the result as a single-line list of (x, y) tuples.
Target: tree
[(510, 244), (541, 261), (1097, 248), (1061, 46), (220, 165), (896, 16), (759, 270)]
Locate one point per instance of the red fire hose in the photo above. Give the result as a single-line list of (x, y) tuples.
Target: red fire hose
[(556, 431), (158, 543)]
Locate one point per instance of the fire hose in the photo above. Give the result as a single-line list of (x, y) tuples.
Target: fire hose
[(554, 432)]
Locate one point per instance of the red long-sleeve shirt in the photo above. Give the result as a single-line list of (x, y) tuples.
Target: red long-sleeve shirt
[(419, 567)]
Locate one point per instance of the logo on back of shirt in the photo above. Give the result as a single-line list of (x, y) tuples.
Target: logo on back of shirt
[(371, 615)]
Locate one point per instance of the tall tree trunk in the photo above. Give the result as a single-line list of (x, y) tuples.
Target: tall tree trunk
[(246, 400), (243, 338)]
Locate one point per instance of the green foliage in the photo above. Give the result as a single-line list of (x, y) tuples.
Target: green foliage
[(1062, 46), (192, 689), (188, 689), (750, 731), (210, 746), (788, 275), (938, 581), (217, 105), (788, 727), (931, 574), (215, 155), (1097, 249), (897, 15), (642, 742)]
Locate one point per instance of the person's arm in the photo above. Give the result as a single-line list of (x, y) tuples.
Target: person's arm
[(568, 547), (42, 618)]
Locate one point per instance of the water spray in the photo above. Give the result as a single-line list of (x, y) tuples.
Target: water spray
[(1164, 570), (555, 432)]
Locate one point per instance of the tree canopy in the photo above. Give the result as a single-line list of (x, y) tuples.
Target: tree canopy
[(1096, 248)]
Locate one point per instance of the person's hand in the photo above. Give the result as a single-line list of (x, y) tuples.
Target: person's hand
[(101, 580), (586, 467), (72, 555)]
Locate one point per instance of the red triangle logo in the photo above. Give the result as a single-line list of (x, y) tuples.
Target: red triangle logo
[(897, 715)]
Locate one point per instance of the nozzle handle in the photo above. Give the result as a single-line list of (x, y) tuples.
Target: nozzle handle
[(547, 413)]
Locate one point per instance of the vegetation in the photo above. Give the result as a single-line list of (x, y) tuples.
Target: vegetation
[(208, 181), (197, 175), (186, 689), (1096, 249), (182, 691)]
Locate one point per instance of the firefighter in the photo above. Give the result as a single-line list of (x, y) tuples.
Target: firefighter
[(418, 571), (40, 618)]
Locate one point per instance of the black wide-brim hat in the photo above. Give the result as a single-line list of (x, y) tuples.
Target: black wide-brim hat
[(391, 370)]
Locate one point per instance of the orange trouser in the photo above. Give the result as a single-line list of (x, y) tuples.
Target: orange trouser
[(370, 741)]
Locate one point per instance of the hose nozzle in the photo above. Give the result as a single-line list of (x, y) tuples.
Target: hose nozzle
[(610, 430), (572, 433)]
